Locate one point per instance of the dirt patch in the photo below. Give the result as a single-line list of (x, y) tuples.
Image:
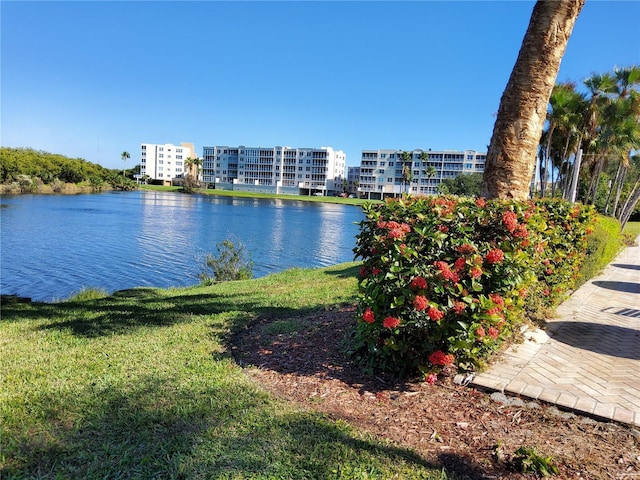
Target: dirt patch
[(458, 427)]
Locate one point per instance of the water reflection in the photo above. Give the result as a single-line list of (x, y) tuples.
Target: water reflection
[(53, 246)]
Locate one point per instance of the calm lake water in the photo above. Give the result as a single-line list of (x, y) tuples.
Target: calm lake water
[(54, 245)]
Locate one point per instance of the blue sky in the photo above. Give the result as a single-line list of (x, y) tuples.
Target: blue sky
[(92, 79)]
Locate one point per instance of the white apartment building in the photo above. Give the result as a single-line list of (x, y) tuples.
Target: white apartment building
[(296, 171), (383, 173), (165, 162)]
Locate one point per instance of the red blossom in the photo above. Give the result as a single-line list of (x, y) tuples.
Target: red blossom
[(431, 379), (435, 314), (396, 233), (521, 232), (445, 271), (495, 311), (440, 358), (510, 220), (390, 322), (480, 333), (375, 271), (495, 256), (420, 303), (443, 228), (459, 264), (481, 202), (475, 272), (466, 248), (459, 307), (363, 272), (418, 283), (368, 316), (493, 333), (497, 299), (546, 292)]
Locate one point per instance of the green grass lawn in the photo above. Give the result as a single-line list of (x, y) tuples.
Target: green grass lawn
[(140, 384), (239, 193)]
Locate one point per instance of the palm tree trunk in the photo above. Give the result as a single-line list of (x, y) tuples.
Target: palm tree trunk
[(621, 180), (518, 128), (630, 204)]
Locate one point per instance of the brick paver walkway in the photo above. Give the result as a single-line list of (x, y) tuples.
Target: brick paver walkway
[(588, 360)]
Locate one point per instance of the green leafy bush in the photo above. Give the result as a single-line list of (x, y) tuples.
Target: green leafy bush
[(233, 262), (446, 280), (528, 460), (602, 247)]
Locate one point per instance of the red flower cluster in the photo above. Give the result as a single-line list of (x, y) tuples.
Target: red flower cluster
[(481, 202), (475, 272), (493, 333), (495, 312), (445, 271), (431, 379), (420, 303), (435, 314), (368, 316), (363, 272), (418, 283), (521, 232), (440, 358), (390, 322), (466, 248), (480, 333), (510, 220), (497, 299), (459, 264), (444, 206), (396, 230), (459, 307), (495, 256)]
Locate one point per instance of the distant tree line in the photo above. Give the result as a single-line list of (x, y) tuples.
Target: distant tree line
[(28, 167)]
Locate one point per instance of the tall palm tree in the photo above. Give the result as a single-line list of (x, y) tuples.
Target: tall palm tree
[(124, 155), (194, 162), (512, 152), (563, 105), (407, 160)]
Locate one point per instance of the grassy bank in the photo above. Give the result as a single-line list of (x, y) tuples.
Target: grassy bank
[(234, 193), (140, 385)]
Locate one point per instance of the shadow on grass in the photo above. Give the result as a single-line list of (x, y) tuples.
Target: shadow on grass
[(131, 309), (155, 430)]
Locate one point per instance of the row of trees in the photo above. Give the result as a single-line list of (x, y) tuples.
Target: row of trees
[(17, 165), (589, 149)]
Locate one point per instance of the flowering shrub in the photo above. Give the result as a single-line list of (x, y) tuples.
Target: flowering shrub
[(446, 280)]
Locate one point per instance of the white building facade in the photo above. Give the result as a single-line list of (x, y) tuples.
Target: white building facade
[(165, 162), (385, 173), (296, 171)]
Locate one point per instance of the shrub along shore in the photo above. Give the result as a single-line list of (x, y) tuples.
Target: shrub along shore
[(140, 383)]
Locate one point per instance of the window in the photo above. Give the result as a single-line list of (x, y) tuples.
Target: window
[(160, 155), (160, 162), (144, 147), (178, 164), (179, 157), (178, 150), (161, 149)]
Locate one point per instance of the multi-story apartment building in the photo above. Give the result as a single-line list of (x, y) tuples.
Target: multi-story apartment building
[(353, 180), (297, 171), (385, 173), (165, 162)]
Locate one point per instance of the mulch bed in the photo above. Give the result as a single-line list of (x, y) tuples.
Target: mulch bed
[(457, 427)]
